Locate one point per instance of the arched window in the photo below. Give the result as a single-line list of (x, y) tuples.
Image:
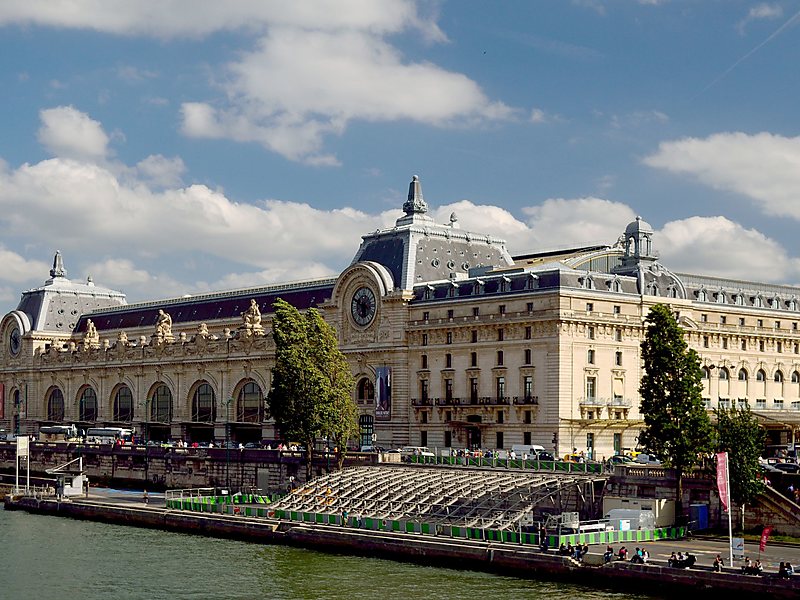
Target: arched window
[(702, 296), (793, 304), (55, 405), (758, 302), (706, 373), (249, 404), (778, 377), (721, 298), (723, 374), (87, 405), (365, 391), (203, 405), (739, 299), (795, 377), (123, 404), (742, 375), (760, 375), (777, 304), (161, 405)]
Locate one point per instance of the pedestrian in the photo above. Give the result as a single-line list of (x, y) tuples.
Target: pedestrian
[(718, 563), (144, 496)]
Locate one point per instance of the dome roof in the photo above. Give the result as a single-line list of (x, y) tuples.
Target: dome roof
[(637, 226)]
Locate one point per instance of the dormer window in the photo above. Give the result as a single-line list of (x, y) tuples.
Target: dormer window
[(478, 289), (721, 298), (702, 296), (758, 301), (428, 292), (533, 281), (586, 282), (738, 300)]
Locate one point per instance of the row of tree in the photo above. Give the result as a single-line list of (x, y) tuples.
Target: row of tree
[(677, 426)]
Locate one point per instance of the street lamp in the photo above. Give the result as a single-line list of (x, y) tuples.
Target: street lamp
[(227, 404)]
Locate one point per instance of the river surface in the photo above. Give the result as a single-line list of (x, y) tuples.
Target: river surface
[(56, 558)]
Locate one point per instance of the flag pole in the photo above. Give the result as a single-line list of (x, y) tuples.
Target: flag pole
[(730, 510)]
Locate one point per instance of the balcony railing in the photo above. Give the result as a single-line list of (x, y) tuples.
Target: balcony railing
[(526, 400)]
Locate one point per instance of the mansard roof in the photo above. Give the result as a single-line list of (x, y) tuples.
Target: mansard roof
[(210, 307)]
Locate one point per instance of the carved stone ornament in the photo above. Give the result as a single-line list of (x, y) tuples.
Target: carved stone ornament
[(163, 332), (251, 321)]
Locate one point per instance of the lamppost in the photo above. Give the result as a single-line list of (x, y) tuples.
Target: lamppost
[(227, 404)]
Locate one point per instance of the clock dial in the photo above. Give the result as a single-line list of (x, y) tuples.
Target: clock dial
[(15, 341), (363, 306)]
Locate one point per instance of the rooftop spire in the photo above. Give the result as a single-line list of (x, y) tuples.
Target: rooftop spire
[(58, 269), (415, 203)]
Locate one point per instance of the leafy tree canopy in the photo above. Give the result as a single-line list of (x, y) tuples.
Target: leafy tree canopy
[(311, 394), (676, 424), (739, 434)]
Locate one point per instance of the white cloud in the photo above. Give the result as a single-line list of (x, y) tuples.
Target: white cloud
[(760, 12), (540, 116), (328, 79), (763, 167), (721, 247), (638, 119), (16, 269), (161, 170), (69, 133), (196, 18)]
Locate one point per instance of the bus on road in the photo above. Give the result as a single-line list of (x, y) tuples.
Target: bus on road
[(109, 435)]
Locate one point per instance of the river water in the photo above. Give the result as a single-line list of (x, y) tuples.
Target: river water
[(56, 558)]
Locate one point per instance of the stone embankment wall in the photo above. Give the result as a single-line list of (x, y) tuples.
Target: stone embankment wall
[(430, 550)]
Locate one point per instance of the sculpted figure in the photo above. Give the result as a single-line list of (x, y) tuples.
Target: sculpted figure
[(91, 338), (202, 330), (122, 339), (251, 320), (163, 327)]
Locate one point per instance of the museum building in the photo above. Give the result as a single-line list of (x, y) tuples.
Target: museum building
[(453, 341)]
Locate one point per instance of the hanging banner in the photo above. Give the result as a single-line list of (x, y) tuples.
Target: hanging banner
[(383, 408), (722, 479), (764, 537)]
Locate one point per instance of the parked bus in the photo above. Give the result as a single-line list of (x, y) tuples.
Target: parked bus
[(109, 435), (58, 433)]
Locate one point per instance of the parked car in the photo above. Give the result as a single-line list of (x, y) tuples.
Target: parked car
[(787, 467), (545, 456), (621, 459), (648, 459)]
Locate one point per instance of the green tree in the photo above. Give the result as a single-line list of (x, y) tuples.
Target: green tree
[(676, 424), (740, 435), (311, 394)]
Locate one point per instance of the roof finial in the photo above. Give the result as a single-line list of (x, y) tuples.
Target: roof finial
[(58, 269), (415, 203)]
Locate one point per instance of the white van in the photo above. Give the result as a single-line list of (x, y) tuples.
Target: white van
[(530, 449), (407, 451)]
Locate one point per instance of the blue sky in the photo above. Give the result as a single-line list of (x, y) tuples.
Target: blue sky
[(173, 147)]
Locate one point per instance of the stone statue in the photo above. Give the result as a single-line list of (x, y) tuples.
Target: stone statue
[(122, 338), (164, 327), (202, 330), (251, 320), (91, 339)]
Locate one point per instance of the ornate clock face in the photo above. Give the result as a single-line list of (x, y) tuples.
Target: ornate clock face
[(363, 306), (15, 341)]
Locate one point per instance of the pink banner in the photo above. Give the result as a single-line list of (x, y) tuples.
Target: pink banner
[(764, 537), (722, 479)]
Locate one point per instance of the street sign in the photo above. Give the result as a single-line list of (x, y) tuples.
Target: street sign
[(738, 548)]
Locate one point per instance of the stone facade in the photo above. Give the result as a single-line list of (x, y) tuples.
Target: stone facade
[(478, 348)]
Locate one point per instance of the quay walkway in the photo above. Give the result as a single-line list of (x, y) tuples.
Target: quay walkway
[(512, 558)]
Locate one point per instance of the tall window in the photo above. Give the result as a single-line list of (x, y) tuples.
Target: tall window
[(500, 358), (424, 361), (591, 388), (123, 404), (617, 443), (203, 405), (501, 335), (448, 390), (366, 426), (501, 387), (618, 358), (474, 336), (249, 405), (55, 406), (527, 356), (87, 406), (528, 386), (473, 390), (161, 405), (449, 337), (423, 390), (473, 359), (448, 361), (590, 356), (742, 375)]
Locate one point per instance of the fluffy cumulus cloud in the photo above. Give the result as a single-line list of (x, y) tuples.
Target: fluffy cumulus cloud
[(129, 226), (300, 85), (763, 167), (721, 247), (313, 67), (760, 12), (69, 133)]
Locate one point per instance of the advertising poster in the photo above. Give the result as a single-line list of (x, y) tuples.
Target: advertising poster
[(383, 408)]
